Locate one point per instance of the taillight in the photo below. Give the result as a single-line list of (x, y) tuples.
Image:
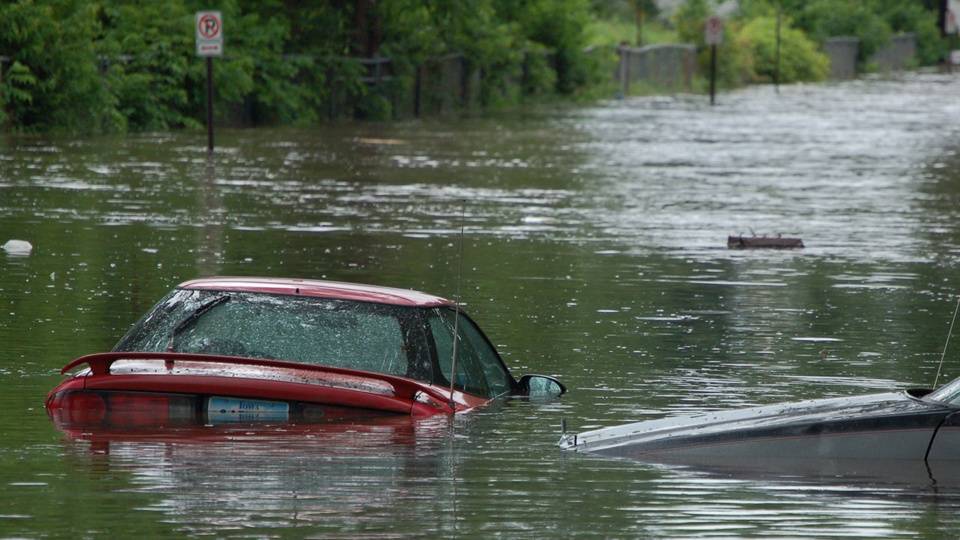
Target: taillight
[(82, 407), (120, 409)]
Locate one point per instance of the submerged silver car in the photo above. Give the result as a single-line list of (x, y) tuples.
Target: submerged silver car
[(907, 425)]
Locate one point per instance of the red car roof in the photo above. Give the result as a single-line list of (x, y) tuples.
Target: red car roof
[(322, 289)]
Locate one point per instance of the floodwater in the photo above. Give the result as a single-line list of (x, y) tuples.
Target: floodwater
[(595, 251)]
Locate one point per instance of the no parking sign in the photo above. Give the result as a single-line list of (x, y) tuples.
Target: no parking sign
[(713, 31), (209, 26)]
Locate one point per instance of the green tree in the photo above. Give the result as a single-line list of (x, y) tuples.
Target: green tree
[(293, 51), (557, 25), (52, 79), (146, 49)]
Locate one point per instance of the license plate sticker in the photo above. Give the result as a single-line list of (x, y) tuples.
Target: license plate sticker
[(224, 409)]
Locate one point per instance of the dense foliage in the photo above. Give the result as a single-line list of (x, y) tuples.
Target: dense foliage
[(873, 22), (799, 58), (748, 54), (117, 65), (113, 65)]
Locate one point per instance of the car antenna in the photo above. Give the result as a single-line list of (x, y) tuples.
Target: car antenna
[(456, 320), (944, 353)]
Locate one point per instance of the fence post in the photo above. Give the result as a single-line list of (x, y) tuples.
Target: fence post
[(331, 108), (480, 95), (417, 90), (524, 75), (464, 82), (624, 70)]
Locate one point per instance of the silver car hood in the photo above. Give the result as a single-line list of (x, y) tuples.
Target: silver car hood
[(768, 416)]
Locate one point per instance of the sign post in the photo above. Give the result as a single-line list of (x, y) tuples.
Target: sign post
[(209, 26), (713, 36), (951, 11), (950, 26)]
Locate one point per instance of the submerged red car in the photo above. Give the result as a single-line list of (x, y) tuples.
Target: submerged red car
[(221, 350)]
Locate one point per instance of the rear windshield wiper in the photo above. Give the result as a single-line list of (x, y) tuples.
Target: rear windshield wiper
[(192, 318)]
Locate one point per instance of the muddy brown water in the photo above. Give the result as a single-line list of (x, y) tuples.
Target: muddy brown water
[(595, 251)]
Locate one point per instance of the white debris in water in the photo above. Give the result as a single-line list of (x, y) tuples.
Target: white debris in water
[(17, 247)]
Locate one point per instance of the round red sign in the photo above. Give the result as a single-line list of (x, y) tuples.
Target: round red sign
[(209, 26)]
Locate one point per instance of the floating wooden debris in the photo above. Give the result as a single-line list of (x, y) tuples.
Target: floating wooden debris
[(775, 242)]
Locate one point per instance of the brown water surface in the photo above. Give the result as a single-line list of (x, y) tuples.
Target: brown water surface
[(595, 251)]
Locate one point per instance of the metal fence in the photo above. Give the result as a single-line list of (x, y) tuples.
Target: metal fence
[(438, 86), (668, 66)]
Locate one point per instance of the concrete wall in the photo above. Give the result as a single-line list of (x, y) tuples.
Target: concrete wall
[(899, 54), (666, 66), (842, 52)]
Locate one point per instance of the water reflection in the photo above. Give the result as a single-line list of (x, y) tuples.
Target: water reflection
[(210, 234), (250, 478), (813, 502)]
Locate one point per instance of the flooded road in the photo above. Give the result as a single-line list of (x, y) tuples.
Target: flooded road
[(595, 251)]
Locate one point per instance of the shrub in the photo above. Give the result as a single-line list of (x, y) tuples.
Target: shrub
[(799, 58)]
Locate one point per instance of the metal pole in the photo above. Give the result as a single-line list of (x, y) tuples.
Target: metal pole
[(626, 70), (776, 69), (713, 74), (209, 104)]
